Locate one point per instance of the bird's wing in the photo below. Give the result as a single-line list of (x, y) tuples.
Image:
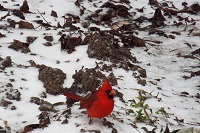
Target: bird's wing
[(87, 103)]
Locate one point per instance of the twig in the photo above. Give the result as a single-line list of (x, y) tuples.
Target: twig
[(43, 17), (8, 14), (185, 26)]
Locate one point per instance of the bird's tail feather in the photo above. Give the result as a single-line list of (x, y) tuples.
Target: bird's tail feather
[(73, 96)]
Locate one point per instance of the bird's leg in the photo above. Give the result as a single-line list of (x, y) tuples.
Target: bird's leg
[(90, 121)]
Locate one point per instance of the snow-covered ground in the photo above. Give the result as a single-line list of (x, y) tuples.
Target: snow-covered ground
[(164, 64)]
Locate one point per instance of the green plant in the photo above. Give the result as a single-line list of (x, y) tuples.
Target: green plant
[(142, 113), (140, 116), (162, 112)]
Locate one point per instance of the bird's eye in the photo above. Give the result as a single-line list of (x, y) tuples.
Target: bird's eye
[(107, 91)]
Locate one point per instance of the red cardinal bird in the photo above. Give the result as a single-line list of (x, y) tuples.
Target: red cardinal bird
[(99, 104)]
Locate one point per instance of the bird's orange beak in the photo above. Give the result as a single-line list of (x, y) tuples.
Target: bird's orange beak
[(112, 93)]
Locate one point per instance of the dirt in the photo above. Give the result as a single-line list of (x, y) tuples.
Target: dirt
[(103, 46), (53, 79)]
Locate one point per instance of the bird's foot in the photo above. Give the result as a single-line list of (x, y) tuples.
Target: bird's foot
[(90, 121)]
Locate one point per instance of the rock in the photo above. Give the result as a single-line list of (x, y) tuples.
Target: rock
[(142, 72), (69, 43), (2, 35), (30, 39), (48, 38), (44, 119), (13, 94), (24, 8), (25, 25), (18, 13), (141, 81), (54, 14), (158, 19), (31, 127), (35, 100), (18, 45), (197, 52), (68, 22), (131, 41), (5, 103), (7, 62), (48, 44), (112, 79), (45, 106)]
